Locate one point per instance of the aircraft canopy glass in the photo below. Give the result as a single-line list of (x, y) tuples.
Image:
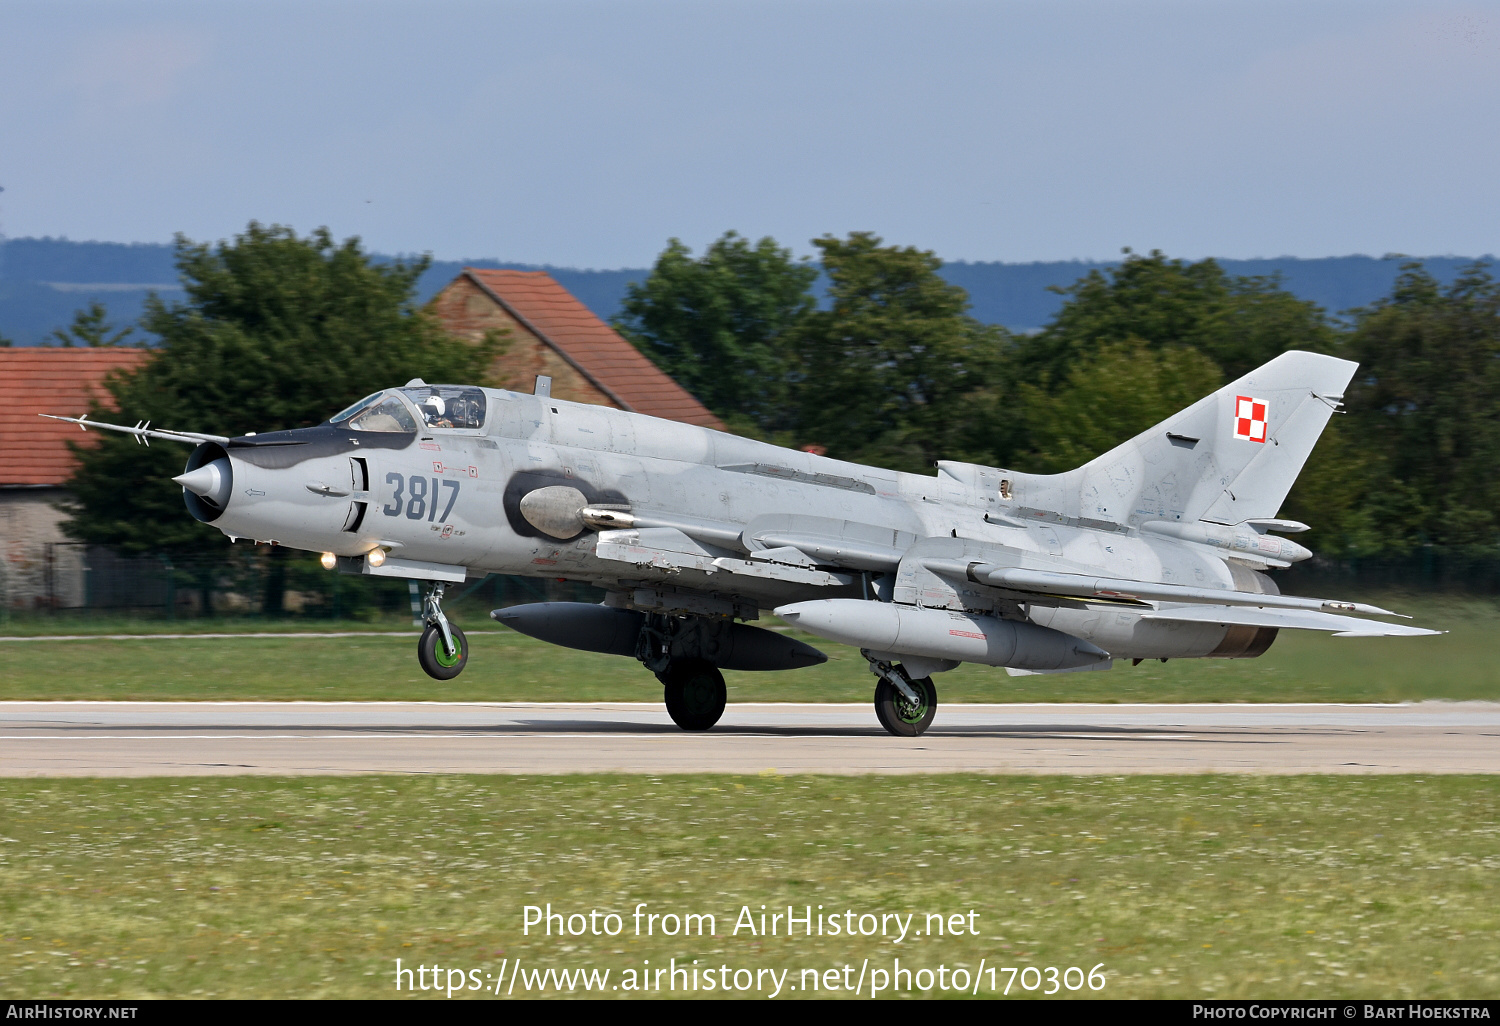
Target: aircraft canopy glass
[(448, 406), (389, 414), (348, 412)]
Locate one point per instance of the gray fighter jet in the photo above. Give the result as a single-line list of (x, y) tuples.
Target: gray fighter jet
[(1154, 550)]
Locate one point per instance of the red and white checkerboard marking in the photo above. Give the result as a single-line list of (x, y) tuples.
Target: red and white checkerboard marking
[(1250, 418)]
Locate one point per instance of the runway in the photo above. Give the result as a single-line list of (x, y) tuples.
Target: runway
[(131, 739)]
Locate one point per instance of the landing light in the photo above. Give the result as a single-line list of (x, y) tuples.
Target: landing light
[(329, 561), (376, 557)]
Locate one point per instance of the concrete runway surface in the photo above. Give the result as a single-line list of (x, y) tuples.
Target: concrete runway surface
[(216, 738)]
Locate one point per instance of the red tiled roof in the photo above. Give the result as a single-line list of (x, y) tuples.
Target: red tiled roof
[(592, 346), (43, 380)]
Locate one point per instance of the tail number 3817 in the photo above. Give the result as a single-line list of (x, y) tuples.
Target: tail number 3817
[(419, 497)]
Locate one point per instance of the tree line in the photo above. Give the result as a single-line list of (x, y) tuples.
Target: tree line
[(884, 366)]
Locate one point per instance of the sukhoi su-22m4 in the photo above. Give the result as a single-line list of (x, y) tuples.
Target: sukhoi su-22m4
[(1155, 550)]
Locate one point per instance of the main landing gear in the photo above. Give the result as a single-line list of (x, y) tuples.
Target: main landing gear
[(692, 686), (443, 650), (904, 705), (694, 691)]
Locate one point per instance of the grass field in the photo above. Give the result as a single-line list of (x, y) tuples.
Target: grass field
[(1315, 887), (504, 666)]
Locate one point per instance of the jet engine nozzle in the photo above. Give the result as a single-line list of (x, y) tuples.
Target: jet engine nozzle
[(210, 482), (555, 510)]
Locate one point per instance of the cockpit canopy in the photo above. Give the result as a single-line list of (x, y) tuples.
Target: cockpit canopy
[(440, 406), (379, 412)]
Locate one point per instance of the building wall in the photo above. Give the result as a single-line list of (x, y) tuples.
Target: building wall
[(40, 567), (468, 311)]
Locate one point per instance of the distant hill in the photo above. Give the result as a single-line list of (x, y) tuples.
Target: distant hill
[(43, 281), (1016, 295)]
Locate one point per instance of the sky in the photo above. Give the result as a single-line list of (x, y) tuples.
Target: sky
[(585, 134)]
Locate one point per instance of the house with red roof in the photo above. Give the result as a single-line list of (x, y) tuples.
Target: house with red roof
[(553, 334), (39, 565)]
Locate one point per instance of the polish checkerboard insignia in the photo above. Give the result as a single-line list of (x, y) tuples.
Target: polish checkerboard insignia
[(1250, 418)]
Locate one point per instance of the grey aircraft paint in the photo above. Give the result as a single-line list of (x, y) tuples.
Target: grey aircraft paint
[(1156, 549)]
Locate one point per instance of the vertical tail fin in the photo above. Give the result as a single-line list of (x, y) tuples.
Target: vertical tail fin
[(1230, 457)]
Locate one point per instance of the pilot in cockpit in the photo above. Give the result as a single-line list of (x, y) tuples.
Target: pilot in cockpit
[(434, 412), (447, 406)]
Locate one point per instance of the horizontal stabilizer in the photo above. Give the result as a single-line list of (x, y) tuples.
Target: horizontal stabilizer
[(1298, 619), (1115, 589)]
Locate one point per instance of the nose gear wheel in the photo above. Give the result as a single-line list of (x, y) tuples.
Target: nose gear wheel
[(442, 651), (435, 661)]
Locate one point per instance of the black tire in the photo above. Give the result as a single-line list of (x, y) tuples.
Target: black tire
[(898, 715), (434, 660), (695, 694)]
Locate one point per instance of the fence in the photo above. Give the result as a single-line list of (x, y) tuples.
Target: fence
[(80, 580), (1426, 570)]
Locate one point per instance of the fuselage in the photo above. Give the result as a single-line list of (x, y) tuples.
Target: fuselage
[(731, 524)]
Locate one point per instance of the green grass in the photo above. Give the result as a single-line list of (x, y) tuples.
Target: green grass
[(1301, 667), (1185, 887)]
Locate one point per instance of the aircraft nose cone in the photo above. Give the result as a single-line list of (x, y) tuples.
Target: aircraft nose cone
[(209, 482)]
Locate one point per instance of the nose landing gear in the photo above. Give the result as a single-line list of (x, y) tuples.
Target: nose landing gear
[(442, 651)]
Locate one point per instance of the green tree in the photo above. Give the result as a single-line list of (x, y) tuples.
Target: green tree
[(277, 331), (895, 372), (1333, 496), (91, 328), (1425, 410), (1238, 322), (1120, 390), (718, 325)]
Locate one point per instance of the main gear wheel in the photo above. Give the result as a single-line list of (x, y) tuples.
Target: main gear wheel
[(695, 693), (901, 716)]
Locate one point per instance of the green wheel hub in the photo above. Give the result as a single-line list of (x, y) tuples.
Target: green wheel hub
[(444, 659), (699, 695), (900, 715), (437, 663), (908, 711)]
